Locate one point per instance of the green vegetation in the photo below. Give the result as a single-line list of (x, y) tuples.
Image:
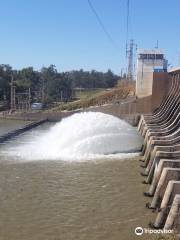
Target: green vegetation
[(49, 85), (97, 98), (82, 94)]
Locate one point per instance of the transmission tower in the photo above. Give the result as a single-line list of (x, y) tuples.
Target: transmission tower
[(130, 58)]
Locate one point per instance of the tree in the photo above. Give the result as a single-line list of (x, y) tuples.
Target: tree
[(48, 85)]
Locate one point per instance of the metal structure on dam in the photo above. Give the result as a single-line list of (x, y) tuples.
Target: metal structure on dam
[(161, 156)]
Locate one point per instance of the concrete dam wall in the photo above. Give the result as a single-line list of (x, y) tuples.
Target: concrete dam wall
[(161, 157)]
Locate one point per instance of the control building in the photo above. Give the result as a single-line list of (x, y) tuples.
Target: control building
[(148, 63)]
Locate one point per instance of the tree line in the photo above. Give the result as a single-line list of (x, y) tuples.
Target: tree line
[(49, 85)]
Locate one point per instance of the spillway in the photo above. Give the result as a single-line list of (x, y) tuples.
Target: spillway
[(72, 195), (82, 136)]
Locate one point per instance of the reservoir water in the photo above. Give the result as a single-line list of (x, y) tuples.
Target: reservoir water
[(52, 198), (7, 125)]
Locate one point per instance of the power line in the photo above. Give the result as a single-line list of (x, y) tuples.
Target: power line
[(101, 24)]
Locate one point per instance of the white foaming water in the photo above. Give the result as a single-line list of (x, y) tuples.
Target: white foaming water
[(82, 136)]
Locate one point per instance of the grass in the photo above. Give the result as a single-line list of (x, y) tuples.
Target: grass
[(88, 93), (96, 98)]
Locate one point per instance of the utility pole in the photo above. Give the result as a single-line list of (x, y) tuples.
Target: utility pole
[(157, 44), (130, 69), (29, 99), (61, 93), (122, 70), (13, 94), (14, 97), (43, 89)]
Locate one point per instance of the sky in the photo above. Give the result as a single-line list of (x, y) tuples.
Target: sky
[(67, 34)]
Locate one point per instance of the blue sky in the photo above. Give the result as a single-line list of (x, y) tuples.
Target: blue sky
[(67, 34)]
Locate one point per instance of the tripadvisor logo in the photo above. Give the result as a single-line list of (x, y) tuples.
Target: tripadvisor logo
[(139, 231)]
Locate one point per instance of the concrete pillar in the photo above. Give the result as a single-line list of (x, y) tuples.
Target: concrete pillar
[(163, 163), (166, 175), (173, 214), (172, 189)]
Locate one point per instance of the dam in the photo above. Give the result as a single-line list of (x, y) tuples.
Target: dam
[(62, 182), (84, 193), (161, 154)]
